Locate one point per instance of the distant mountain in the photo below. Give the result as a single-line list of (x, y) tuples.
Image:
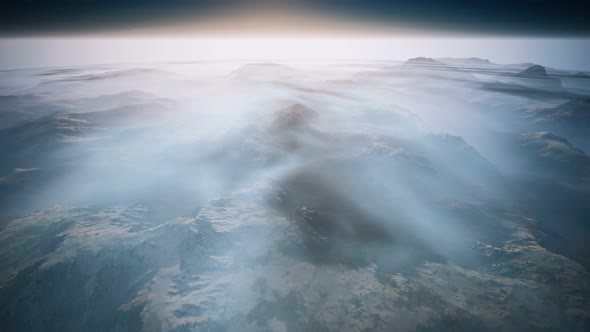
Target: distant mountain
[(262, 72), (435, 69), (520, 66), (467, 62), (421, 61), (570, 119), (553, 155), (580, 75), (533, 79), (537, 76), (535, 71), (574, 112)]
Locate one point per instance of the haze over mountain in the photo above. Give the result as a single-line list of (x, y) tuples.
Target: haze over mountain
[(303, 165), (432, 194)]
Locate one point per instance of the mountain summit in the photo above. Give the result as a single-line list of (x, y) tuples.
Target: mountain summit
[(424, 61), (468, 62), (535, 71)]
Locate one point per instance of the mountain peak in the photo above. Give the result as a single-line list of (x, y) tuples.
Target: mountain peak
[(473, 61), (293, 116), (535, 71), (424, 61)]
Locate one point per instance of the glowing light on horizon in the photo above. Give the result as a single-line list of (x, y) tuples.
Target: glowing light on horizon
[(40, 52)]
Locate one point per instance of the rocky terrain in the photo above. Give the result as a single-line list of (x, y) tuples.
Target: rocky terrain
[(423, 196)]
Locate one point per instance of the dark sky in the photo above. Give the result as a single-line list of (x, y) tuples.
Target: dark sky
[(504, 17)]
